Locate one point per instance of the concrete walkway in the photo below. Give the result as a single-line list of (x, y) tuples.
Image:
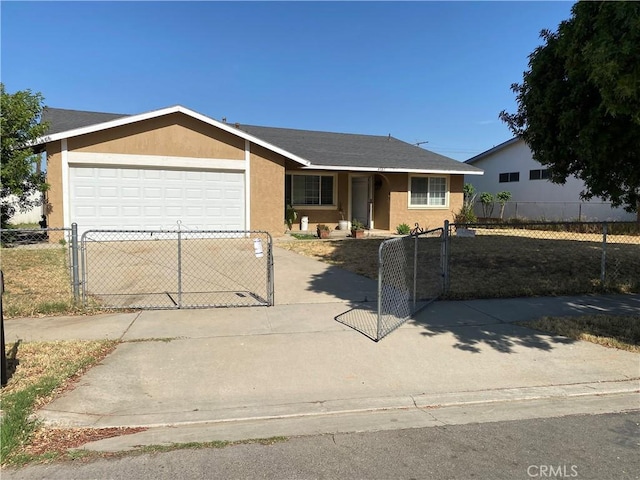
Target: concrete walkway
[(292, 369)]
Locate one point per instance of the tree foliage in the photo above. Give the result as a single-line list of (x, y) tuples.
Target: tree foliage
[(579, 102), (20, 170)]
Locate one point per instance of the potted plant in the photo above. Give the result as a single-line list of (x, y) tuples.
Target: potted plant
[(290, 216), (357, 228), (342, 223), (323, 231)]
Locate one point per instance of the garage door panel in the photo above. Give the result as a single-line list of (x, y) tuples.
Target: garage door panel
[(128, 198)]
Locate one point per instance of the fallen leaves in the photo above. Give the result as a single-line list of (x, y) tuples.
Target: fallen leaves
[(60, 440)]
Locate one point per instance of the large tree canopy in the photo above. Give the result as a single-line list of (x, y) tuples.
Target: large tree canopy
[(20, 175), (579, 102)]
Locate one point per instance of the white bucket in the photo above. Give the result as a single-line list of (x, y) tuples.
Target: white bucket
[(304, 223)]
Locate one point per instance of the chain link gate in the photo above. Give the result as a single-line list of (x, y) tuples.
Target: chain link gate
[(164, 269), (411, 274)]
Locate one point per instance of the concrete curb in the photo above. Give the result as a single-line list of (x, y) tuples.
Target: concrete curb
[(356, 415)]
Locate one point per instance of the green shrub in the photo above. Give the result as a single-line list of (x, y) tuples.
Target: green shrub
[(403, 229)]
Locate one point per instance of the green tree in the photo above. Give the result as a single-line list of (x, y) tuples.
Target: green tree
[(579, 102), (466, 213), (503, 197), (486, 199), (20, 167)]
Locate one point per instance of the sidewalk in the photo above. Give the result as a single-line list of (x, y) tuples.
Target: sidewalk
[(293, 370)]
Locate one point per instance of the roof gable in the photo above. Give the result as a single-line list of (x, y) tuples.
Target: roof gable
[(311, 149)]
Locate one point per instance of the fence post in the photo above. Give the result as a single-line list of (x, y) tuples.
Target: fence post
[(179, 267), (445, 257), (75, 262), (3, 357), (415, 269), (603, 265), (270, 273), (380, 275)]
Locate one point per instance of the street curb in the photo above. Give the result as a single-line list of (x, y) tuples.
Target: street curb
[(377, 414)]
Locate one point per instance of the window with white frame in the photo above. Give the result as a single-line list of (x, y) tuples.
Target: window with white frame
[(427, 191), (310, 189)]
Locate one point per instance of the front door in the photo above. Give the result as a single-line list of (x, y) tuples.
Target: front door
[(360, 195)]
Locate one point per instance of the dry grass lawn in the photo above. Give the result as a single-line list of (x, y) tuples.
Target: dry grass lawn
[(37, 281), (41, 371), (614, 331), (498, 264)]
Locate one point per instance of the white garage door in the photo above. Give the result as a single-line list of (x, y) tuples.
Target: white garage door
[(134, 198)]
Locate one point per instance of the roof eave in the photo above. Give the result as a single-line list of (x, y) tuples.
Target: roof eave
[(341, 168)]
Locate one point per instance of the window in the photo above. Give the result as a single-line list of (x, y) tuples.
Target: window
[(509, 177), (310, 189), (542, 174), (428, 191)]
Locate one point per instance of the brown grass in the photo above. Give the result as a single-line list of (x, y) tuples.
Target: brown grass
[(498, 264), (613, 331), (37, 281), (36, 360)]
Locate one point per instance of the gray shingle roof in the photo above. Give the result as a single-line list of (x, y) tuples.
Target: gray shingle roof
[(61, 120), (326, 149), (322, 149)]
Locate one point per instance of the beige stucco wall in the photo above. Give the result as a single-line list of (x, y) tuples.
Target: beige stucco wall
[(267, 191), (53, 198), (427, 218), (175, 135)]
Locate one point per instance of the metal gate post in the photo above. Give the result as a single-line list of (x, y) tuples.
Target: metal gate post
[(415, 269), (380, 273), (603, 262), (75, 262), (179, 268), (444, 254), (270, 275)]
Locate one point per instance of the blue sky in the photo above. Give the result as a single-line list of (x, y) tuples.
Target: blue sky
[(437, 72)]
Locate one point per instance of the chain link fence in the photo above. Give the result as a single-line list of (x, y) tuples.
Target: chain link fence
[(164, 269), (553, 211), (410, 275), (39, 268), (553, 258)]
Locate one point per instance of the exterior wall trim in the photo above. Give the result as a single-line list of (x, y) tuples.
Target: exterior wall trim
[(133, 160)]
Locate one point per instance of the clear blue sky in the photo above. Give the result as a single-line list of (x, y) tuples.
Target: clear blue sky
[(421, 71)]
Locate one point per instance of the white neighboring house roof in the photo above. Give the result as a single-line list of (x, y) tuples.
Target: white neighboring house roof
[(495, 149)]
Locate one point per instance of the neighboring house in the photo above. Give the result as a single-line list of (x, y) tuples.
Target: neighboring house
[(510, 167), (152, 170), (32, 215)]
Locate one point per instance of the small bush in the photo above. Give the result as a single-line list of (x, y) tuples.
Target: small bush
[(403, 229), (465, 215)]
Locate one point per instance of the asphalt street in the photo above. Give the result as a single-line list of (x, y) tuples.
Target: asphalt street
[(603, 447)]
